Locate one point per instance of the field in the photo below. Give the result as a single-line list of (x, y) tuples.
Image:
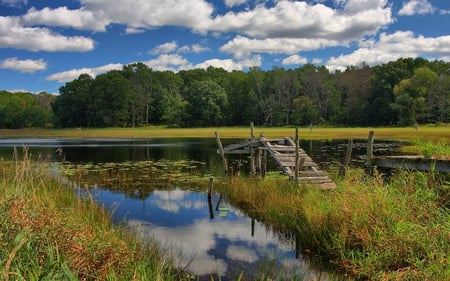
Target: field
[(392, 133)]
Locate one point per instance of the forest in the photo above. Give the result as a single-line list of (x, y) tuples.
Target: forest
[(398, 93)]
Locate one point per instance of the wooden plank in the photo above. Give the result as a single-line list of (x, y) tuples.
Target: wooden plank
[(412, 163)]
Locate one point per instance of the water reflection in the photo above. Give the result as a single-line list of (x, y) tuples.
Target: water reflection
[(225, 245)]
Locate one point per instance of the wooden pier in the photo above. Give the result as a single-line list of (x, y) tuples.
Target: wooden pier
[(408, 162), (292, 159)]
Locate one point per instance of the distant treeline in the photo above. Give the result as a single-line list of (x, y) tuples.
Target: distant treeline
[(396, 93)]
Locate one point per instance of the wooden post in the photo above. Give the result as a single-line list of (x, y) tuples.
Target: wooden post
[(259, 162), (211, 184), (253, 227), (347, 158), (369, 153), (296, 156), (252, 131), (252, 149), (222, 152), (370, 145), (210, 207)]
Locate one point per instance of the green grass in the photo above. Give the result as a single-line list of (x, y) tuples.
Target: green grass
[(393, 133), (375, 228), (49, 233)]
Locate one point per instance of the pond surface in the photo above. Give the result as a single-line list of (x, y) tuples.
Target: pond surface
[(207, 235)]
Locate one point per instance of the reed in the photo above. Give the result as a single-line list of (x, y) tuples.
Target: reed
[(49, 233), (371, 227)]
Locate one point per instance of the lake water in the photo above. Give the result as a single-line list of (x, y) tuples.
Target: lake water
[(206, 235)]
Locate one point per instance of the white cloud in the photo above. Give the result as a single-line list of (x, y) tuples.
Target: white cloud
[(230, 65), (243, 46), (173, 62), (172, 47), (14, 35), (14, 3), (25, 66), (62, 16), (232, 3), (294, 59), (292, 19), (165, 48), (414, 7), (73, 74), (391, 47), (145, 14), (197, 48)]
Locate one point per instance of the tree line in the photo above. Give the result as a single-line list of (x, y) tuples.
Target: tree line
[(397, 93)]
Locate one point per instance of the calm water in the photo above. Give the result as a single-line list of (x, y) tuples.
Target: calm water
[(207, 235)]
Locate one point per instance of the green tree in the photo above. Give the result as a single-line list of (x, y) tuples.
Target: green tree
[(112, 98), (305, 112), (71, 108), (207, 103), (411, 95)]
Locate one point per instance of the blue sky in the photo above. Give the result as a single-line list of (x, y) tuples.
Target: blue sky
[(44, 44)]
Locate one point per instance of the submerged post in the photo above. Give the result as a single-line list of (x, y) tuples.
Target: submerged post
[(222, 152), (210, 188)]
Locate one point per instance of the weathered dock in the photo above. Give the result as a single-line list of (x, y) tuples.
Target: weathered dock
[(408, 162), (292, 159)]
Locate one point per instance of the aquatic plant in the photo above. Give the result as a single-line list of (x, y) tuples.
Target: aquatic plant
[(135, 178)]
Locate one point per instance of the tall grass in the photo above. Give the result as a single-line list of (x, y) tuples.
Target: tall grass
[(49, 233), (394, 229)]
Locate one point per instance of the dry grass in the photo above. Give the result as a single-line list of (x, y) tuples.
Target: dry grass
[(49, 233), (426, 132)]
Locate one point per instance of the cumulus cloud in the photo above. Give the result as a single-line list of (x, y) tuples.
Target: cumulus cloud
[(145, 14), (14, 35), (416, 7), (242, 46), (173, 47), (24, 66), (294, 60), (289, 19), (70, 75), (172, 62), (79, 19), (230, 65), (14, 3), (165, 48), (391, 47), (232, 3)]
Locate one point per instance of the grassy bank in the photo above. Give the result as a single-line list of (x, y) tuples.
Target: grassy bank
[(49, 233), (424, 132), (395, 229)]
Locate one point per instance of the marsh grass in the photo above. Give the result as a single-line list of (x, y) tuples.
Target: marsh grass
[(49, 233), (371, 227), (393, 133)]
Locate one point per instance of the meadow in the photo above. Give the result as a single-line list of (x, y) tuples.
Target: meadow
[(429, 132)]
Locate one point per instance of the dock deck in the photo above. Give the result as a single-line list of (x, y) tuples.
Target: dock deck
[(285, 153)]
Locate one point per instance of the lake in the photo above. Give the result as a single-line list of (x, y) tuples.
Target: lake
[(206, 235)]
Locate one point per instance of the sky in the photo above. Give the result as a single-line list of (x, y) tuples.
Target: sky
[(46, 43)]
